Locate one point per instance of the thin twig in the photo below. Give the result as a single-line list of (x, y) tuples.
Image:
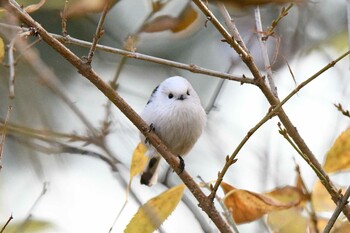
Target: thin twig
[(3, 136), (7, 222), (271, 30), (270, 114), (344, 201), (64, 18), (86, 70), (12, 61), (189, 67), (139, 56), (231, 26), (99, 31), (342, 110), (274, 101), (265, 54), (227, 214), (21, 228)]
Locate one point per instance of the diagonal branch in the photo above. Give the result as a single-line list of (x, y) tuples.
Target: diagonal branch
[(274, 101), (204, 202)]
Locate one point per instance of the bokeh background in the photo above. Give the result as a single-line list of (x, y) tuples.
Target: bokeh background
[(84, 194)]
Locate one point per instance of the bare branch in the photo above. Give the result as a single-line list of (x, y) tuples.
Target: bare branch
[(64, 18), (12, 61), (22, 227), (274, 101), (231, 26), (265, 54), (342, 110), (204, 202), (139, 56), (343, 202), (99, 31), (7, 223)]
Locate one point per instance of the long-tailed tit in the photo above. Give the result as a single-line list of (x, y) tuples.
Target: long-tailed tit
[(175, 112)]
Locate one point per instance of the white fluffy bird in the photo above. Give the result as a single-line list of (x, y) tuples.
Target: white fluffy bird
[(175, 112)]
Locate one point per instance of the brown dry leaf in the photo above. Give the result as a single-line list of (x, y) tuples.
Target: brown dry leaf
[(246, 206), (157, 5), (34, 7), (2, 50), (187, 17), (287, 221), (81, 7), (152, 214), (175, 24), (160, 23), (247, 3), (338, 157)]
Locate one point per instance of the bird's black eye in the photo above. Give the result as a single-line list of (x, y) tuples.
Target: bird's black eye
[(188, 92), (170, 95)]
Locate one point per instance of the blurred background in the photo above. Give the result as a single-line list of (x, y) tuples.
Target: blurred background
[(60, 125)]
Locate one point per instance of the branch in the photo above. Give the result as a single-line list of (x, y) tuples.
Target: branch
[(83, 68), (99, 31), (274, 101), (265, 54), (21, 228), (344, 201), (139, 56), (7, 223)]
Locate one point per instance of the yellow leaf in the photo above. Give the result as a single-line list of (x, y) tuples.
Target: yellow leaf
[(139, 160), (338, 157), (321, 199), (2, 49), (152, 214), (287, 194), (246, 206), (287, 221)]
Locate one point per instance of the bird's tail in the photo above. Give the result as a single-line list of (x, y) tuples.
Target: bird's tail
[(150, 175)]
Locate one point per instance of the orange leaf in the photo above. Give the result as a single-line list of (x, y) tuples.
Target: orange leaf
[(187, 17), (160, 23), (338, 157), (81, 7), (175, 24), (246, 206)]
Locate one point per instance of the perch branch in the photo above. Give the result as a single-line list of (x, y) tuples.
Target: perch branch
[(274, 101), (83, 68)]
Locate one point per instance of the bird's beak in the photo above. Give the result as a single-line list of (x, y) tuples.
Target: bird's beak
[(182, 97)]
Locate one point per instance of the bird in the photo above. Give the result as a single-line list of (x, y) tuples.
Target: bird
[(175, 113)]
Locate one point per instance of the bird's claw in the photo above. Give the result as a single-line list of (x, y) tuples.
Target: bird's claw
[(181, 164), (151, 128)]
